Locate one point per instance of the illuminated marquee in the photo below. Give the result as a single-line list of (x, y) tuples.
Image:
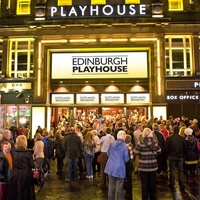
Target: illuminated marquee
[(129, 10), (99, 65)]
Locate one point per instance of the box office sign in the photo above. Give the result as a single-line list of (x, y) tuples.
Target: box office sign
[(112, 98), (186, 96), (86, 11), (99, 65), (62, 99), (137, 98), (87, 98)]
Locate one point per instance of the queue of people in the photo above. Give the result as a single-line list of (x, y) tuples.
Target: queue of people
[(115, 148)]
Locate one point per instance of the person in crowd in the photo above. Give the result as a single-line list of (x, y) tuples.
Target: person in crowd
[(96, 165), (39, 152), (148, 149), (182, 131), (59, 151), (191, 156), (48, 150), (175, 145), (6, 138), (21, 185), (88, 152), (5, 169), (129, 168), (162, 159), (73, 147), (137, 133), (78, 130), (163, 130), (104, 142), (118, 127), (118, 155)]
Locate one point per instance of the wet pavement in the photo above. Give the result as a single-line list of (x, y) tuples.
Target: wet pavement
[(56, 188)]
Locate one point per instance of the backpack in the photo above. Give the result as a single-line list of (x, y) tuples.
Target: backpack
[(48, 148)]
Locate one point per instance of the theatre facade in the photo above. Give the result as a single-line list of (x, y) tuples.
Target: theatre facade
[(77, 59)]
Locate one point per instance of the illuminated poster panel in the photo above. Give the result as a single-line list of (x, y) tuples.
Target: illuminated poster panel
[(62, 99), (99, 65), (142, 98), (112, 98), (87, 98)]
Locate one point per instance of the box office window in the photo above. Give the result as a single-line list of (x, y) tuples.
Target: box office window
[(175, 5), (178, 56), (23, 7), (21, 58)]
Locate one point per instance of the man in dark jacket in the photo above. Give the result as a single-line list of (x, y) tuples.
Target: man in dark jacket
[(175, 150), (73, 147)]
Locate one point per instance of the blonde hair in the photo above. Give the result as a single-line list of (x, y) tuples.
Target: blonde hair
[(88, 138), (38, 137), (58, 134), (21, 141), (147, 132)]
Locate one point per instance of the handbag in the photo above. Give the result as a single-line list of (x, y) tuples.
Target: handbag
[(99, 158), (38, 177)]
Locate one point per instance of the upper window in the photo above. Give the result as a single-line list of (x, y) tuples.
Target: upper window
[(178, 56), (64, 2), (1, 55), (98, 2), (175, 5), (132, 1), (23, 7), (21, 58)]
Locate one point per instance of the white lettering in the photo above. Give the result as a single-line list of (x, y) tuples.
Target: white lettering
[(82, 10), (123, 10), (132, 10), (142, 9), (107, 13), (62, 14), (53, 10), (94, 10), (196, 84), (72, 11)]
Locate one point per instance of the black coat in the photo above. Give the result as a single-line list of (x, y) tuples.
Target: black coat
[(72, 145), (21, 182), (4, 169)]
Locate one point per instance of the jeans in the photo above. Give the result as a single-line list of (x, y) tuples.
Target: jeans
[(176, 163), (115, 185), (88, 162), (148, 180), (72, 166)]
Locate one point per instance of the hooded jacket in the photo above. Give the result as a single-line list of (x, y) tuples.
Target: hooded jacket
[(118, 155), (147, 149)]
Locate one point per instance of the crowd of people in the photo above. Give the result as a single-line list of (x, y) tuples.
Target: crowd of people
[(115, 147)]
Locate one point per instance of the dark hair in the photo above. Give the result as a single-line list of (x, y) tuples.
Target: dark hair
[(108, 130)]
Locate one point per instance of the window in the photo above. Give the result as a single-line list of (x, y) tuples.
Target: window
[(175, 5), (1, 55), (64, 2), (178, 56), (132, 1), (21, 58), (98, 2), (23, 7)]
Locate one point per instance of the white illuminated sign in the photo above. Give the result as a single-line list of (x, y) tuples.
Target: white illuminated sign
[(182, 97), (197, 84), (99, 65), (15, 86), (87, 98), (74, 11), (62, 99), (137, 98), (112, 98)]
